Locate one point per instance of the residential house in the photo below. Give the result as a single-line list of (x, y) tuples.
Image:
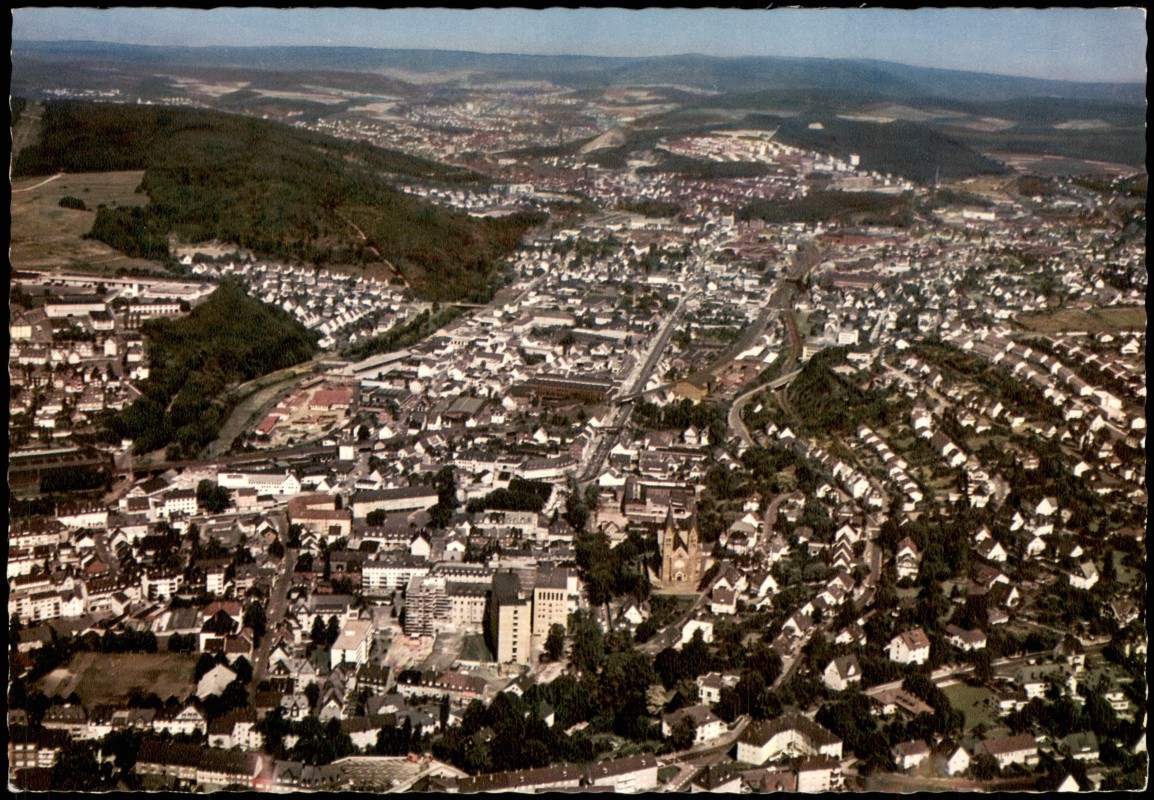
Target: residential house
[(1019, 749), (909, 647), (708, 725), (842, 672)]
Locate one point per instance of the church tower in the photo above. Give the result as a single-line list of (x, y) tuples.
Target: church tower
[(680, 556)]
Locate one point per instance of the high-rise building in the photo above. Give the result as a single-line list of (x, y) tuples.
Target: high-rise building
[(426, 605), (551, 599), (510, 619)]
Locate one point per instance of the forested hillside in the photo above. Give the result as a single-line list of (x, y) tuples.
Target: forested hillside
[(281, 192), (228, 339)]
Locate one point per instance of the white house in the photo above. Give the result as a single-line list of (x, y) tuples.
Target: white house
[(708, 725), (1020, 749), (790, 735), (957, 760), (818, 774), (691, 627), (709, 686), (214, 681), (907, 559), (908, 755), (841, 672), (1085, 576), (909, 647), (284, 483)]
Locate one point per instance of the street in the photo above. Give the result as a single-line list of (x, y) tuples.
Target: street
[(275, 611)]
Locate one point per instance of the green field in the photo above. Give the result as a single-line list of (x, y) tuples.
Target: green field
[(970, 700), (109, 677), (1094, 320), (1126, 575)]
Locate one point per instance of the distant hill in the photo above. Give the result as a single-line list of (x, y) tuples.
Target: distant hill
[(276, 190), (739, 74)]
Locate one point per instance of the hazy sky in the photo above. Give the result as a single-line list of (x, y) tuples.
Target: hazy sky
[(1067, 44)]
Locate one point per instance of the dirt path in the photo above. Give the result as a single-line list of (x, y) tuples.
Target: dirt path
[(74, 679), (42, 183)]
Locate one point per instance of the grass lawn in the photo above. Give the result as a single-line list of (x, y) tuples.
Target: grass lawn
[(473, 648), (970, 701), (108, 677), (1126, 575)]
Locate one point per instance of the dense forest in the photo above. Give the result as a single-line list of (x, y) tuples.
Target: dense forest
[(228, 339), (279, 191), (704, 169), (821, 206), (825, 402), (913, 151)]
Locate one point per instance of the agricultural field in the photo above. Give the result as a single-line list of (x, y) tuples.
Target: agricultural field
[(1092, 321), (45, 234), (110, 677)]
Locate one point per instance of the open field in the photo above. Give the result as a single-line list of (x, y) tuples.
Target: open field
[(108, 677), (1051, 165), (971, 701), (46, 235), (473, 648), (1095, 320)]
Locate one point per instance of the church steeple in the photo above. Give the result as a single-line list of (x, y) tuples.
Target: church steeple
[(680, 555)]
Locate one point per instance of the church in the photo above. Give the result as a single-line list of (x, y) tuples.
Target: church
[(680, 557)]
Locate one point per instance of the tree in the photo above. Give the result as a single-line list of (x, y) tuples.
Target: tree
[(332, 631), (555, 642), (683, 733), (15, 626), (588, 644), (254, 617), (203, 665), (317, 633), (313, 693), (627, 676), (243, 670), (212, 498), (181, 643), (577, 508), (76, 769), (984, 767)]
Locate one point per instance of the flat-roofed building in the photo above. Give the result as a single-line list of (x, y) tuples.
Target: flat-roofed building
[(510, 619), (408, 498), (352, 644), (426, 605), (551, 604)]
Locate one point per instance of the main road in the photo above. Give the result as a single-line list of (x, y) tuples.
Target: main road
[(274, 612), (623, 404)]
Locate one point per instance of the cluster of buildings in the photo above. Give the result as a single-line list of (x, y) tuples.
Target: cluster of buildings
[(404, 528), (343, 310)]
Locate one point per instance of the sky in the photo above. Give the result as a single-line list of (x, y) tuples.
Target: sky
[(1097, 44)]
